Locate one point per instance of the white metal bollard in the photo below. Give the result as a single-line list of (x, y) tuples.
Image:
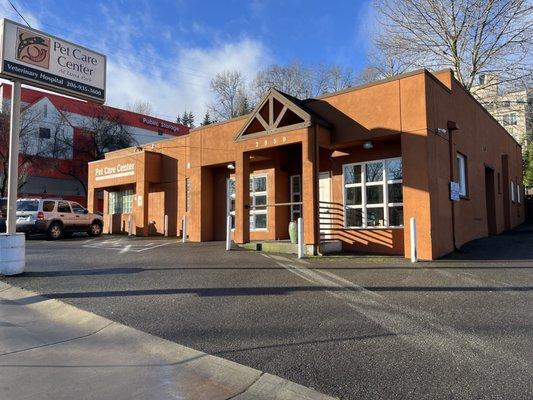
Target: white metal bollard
[(414, 254), (301, 245), (228, 232), (166, 225), (130, 226), (184, 229)]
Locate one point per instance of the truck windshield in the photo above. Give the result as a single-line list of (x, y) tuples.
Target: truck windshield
[(27, 205)]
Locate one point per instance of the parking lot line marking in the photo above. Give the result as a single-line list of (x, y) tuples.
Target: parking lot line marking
[(125, 249), (125, 245), (153, 247)]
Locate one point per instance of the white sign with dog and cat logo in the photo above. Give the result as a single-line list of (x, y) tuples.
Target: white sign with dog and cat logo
[(43, 60)]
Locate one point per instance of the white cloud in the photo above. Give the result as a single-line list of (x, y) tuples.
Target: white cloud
[(171, 79), (172, 86)]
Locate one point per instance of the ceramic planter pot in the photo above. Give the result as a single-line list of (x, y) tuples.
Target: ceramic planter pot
[(293, 232)]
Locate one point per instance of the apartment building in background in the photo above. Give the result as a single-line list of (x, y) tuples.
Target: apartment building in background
[(512, 109)]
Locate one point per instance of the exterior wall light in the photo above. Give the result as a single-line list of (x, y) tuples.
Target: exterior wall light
[(231, 166), (368, 145)]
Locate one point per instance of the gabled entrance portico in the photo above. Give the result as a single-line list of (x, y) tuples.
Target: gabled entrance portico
[(284, 128)]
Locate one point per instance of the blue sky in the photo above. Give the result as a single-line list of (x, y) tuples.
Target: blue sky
[(165, 52)]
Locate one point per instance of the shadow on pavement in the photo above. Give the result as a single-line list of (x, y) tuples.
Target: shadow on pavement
[(513, 245), (262, 291)]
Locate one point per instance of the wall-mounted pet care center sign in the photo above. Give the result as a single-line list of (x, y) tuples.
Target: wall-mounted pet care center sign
[(115, 171), (40, 59)]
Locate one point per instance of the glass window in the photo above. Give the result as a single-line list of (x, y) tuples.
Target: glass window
[(395, 192), (354, 217), (373, 194), (394, 169), (27, 205), (230, 205), (375, 217), (352, 174), (48, 206), (512, 192), (518, 194), (121, 202), (354, 196), (63, 207), (510, 119), (260, 221), (374, 172), (396, 216), (258, 197), (295, 192), (77, 208), (462, 174), (44, 133), (259, 183)]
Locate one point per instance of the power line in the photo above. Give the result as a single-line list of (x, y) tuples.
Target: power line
[(20, 15)]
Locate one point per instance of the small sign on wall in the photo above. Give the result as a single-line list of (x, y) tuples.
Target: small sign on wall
[(455, 191), (139, 201)]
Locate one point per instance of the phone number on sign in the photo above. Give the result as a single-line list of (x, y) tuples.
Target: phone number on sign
[(83, 88)]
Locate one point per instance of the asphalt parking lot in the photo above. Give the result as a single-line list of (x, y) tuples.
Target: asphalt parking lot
[(353, 327)]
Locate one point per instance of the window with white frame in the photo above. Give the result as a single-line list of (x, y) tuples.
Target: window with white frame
[(518, 194), (513, 198), (296, 196), (510, 119), (373, 194), (230, 190), (462, 174), (258, 201), (121, 202)]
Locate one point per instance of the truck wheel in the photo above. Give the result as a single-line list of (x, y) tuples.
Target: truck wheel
[(55, 231), (95, 229)]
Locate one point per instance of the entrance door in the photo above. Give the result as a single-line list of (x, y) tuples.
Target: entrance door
[(324, 205), (490, 201)]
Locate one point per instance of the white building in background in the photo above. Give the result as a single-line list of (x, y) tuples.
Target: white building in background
[(512, 109), (46, 115)]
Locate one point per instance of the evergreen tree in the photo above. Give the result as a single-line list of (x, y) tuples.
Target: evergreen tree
[(185, 118), (207, 119), (191, 119), (178, 119), (243, 105)]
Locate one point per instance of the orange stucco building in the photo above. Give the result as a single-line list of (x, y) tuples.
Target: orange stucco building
[(356, 165)]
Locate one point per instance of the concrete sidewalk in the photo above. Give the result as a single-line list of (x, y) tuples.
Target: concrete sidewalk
[(51, 350)]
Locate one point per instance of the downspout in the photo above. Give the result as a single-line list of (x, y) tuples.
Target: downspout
[(452, 126)]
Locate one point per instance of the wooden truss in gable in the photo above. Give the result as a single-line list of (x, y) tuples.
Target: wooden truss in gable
[(275, 113)]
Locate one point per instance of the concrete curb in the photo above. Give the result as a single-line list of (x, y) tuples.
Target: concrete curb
[(52, 350)]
